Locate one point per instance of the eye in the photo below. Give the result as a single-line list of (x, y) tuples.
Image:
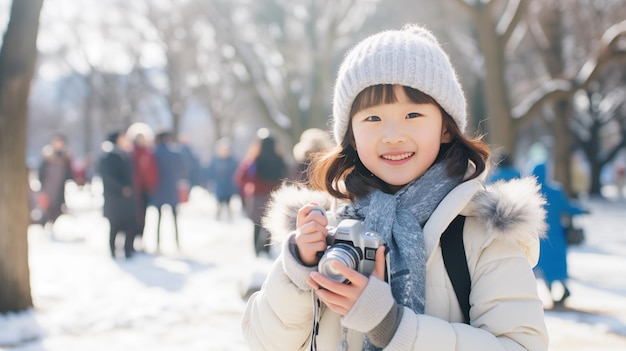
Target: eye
[(372, 118), (413, 115)]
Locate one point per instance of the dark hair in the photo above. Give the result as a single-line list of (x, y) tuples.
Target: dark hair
[(269, 164), (164, 137), (112, 137), (341, 173)]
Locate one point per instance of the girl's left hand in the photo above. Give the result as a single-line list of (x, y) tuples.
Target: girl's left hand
[(340, 297)]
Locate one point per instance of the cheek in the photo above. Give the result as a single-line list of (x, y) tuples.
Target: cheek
[(359, 139)]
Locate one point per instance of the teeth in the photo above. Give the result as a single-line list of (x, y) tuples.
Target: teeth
[(397, 157)]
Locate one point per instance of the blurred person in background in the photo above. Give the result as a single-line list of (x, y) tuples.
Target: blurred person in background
[(145, 172), (257, 175), (171, 168), (54, 171), (192, 174), (116, 170), (552, 265), (312, 141), (220, 173)]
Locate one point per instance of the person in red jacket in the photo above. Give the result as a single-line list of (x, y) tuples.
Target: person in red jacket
[(145, 172), (257, 175)]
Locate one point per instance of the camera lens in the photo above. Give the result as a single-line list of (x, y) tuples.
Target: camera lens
[(343, 253)]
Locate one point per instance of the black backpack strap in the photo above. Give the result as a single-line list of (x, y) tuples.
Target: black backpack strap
[(454, 259)]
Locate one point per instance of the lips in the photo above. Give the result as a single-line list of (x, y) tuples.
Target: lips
[(397, 157)]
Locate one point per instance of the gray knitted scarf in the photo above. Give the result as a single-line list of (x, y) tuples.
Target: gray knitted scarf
[(399, 218)]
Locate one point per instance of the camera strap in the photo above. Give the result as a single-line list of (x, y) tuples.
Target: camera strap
[(317, 306), (455, 261)]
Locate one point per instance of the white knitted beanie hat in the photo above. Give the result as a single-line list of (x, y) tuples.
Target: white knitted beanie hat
[(411, 57)]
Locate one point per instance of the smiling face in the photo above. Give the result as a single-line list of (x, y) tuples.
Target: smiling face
[(398, 141)]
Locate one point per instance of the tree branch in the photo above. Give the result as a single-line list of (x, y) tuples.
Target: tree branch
[(247, 58), (610, 37), (510, 18), (560, 88)]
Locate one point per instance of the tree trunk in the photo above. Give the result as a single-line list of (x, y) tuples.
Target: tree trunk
[(17, 62), (595, 187), (500, 124), (554, 58)]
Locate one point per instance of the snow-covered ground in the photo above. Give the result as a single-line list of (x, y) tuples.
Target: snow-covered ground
[(191, 299)]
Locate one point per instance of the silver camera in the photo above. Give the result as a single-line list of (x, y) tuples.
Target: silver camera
[(350, 243)]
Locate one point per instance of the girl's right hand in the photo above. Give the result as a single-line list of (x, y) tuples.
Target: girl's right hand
[(311, 234)]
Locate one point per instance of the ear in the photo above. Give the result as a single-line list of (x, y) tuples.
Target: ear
[(446, 137)]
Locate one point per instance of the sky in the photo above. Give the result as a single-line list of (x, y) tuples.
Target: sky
[(192, 299)]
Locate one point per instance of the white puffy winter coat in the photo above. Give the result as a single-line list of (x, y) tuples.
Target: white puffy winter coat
[(503, 224)]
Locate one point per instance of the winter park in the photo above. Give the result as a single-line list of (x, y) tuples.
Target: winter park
[(163, 161)]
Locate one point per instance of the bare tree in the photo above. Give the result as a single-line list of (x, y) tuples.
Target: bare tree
[(289, 53), (599, 122), (557, 30), (99, 84), (500, 28), (17, 63), (174, 23)]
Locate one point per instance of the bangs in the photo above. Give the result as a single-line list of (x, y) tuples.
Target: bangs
[(383, 94)]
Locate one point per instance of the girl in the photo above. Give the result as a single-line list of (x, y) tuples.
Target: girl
[(405, 169)]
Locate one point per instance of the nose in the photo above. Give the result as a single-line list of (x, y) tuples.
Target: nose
[(393, 133)]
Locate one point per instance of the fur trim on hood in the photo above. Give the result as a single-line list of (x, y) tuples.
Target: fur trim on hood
[(512, 210), (282, 209)]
